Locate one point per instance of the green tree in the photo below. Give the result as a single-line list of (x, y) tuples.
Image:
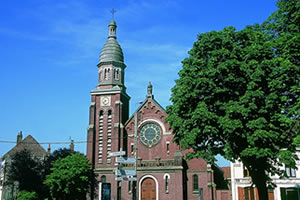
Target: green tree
[(24, 195), (238, 96), (25, 169), (71, 177), (48, 164)]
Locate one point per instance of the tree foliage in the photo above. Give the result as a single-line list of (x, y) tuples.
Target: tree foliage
[(25, 195), (238, 95), (30, 173), (55, 155), (71, 177), (24, 167), (48, 164)]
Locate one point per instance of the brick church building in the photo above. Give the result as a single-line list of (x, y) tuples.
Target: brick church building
[(162, 172)]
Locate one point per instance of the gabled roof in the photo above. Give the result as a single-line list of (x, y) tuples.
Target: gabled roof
[(30, 144), (141, 105)]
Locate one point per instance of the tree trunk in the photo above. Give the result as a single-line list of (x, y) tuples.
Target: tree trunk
[(260, 181), (262, 191)]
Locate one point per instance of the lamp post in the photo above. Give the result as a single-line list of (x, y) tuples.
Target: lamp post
[(135, 146)]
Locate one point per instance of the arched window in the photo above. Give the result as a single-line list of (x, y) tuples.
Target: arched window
[(195, 182), (167, 184), (167, 180), (116, 74), (107, 74), (129, 186), (103, 179)]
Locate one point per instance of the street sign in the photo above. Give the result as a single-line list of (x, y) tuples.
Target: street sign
[(125, 160), (118, 153), (125, 179), (125, 172)]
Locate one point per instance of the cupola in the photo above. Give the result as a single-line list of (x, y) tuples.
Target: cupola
[(111, 51)]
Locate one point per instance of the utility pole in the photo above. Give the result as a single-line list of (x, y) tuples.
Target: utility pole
[(135, 147)]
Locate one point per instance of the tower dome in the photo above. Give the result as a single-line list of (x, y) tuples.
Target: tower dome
[(112, 50)]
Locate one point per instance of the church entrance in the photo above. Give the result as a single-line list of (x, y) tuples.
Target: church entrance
[(148, 189)]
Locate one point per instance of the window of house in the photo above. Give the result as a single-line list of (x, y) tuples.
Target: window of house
[(195, 182), (290, 193), (290, 172)]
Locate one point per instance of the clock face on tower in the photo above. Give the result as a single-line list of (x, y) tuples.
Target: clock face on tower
[(150, 134), (105, 101)]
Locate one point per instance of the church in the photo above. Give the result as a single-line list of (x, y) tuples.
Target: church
[(134, 157)]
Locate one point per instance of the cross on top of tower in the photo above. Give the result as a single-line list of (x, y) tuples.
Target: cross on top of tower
[(113, 11)]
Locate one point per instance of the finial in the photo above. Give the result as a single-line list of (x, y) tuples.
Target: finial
[(149, 90), (113, 11)]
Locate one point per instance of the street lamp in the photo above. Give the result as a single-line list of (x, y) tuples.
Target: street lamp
[(135, 146)]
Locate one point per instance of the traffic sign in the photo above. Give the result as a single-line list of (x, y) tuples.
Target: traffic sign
[(125, 172), (125, 160), (125, 179), (118, 153)]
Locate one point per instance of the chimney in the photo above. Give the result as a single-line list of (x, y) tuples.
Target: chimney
[(49, 149), (19, 137), (72, 146)]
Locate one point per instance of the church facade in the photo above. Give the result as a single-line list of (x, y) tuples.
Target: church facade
[(160, 171)]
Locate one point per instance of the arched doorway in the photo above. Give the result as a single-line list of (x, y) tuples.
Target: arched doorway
[(148, 189)]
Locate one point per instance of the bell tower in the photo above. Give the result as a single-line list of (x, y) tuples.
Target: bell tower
[(109, 108)]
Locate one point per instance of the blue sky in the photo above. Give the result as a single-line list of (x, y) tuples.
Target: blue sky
[(49, 51)]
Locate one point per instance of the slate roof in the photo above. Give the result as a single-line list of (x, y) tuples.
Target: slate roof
[(30, 144)]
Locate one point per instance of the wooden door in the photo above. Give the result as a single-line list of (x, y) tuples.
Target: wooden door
[(241, 193), (271, 195), (148, 189)]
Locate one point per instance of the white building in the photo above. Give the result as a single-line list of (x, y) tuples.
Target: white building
[(287, 188)]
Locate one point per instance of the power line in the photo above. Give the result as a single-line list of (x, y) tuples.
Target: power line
[(13, 142), (75, 142)]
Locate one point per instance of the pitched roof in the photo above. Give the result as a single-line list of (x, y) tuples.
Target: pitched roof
[(227, 172), (140, 107), (30, 144)]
